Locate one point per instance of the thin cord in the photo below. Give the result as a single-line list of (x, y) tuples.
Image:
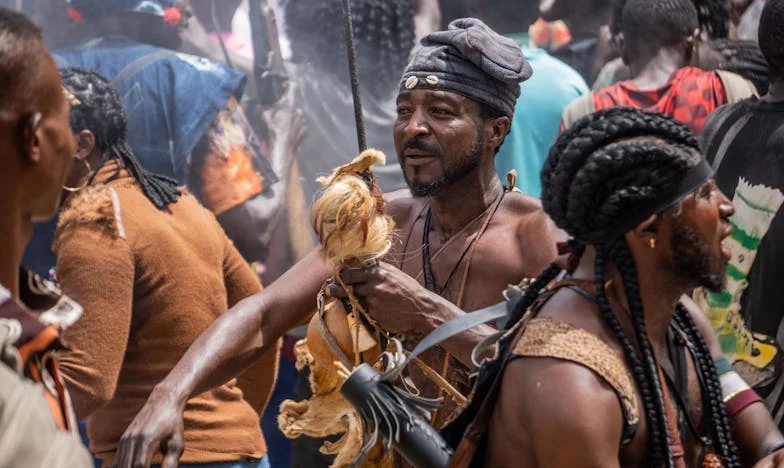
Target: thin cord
[(352, 69)]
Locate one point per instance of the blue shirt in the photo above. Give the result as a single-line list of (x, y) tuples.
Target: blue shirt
[(537, 117)]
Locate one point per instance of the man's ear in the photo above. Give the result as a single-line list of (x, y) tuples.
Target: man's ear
[(29, 126), (647, 231), (499, 129), (691, 47)]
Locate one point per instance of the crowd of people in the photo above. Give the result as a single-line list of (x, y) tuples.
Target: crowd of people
[(615, 191)]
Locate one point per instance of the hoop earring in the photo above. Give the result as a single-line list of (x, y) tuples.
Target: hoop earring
[(86, 179)]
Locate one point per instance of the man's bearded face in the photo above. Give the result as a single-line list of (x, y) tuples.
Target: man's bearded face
[(694, 259), (424, 185)]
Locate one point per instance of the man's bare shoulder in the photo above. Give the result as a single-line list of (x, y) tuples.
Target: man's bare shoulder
[(563, 401)]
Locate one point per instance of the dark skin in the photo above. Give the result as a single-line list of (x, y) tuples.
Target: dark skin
[(444, 120), (37, 153), (651, 65), (776, 91), (567, 402)]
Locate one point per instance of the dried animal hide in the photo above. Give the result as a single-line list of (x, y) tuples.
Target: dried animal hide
[(327, 413)]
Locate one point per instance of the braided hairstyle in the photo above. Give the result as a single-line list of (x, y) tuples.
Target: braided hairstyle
[(383, 31), (603, 167), (100, 110), (713, 17)]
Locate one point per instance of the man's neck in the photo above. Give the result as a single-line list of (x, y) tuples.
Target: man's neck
[(657, 69), (464, 200), (15, 233), (659, 294), (775, 91)]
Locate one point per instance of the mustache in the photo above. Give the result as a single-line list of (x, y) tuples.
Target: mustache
[(420, 146)]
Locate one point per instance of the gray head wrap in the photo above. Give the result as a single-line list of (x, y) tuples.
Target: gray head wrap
[(470, 59)]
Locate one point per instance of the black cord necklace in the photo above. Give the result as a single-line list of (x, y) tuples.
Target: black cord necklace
[(427, 266)]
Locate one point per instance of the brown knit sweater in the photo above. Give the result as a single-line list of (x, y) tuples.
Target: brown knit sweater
[(151, 281)]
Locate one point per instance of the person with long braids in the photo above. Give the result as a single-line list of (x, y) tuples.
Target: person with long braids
[(608, 367), (152, 269)]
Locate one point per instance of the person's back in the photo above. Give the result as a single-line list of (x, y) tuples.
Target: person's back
[(745, 143), (543, 97), (535, 125), (152, 269), (659, 41), (172, 274)]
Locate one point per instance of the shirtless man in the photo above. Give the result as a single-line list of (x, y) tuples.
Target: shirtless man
[(452, 116), (612, 370)]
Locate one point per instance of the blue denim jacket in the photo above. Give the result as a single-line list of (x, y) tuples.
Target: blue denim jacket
[(170, 100)]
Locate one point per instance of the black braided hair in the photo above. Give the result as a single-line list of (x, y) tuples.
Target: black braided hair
[(100, 110), (713, 17), (383, 30), (604, 166), (771, 35), (712, 393)]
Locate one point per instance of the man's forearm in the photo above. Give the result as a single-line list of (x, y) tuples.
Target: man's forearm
[(222, 352), (755, 433), (462, 345)]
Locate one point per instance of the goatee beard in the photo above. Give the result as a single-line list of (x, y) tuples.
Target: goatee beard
[(693, 259), (461, 168)]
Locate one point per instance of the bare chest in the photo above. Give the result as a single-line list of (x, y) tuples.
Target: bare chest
[(468, 269)]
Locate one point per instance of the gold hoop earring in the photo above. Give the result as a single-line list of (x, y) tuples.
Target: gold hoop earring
[(652, 242), (86, 179)]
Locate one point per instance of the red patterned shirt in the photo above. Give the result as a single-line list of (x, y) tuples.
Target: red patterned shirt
[(690, 96)]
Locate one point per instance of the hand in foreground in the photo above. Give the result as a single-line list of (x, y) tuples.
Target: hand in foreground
[(157, 427), (395, 300), (774, 460)]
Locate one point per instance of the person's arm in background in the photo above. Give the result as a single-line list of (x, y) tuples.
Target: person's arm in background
[(427, 17), (95, 268), (235, 180)]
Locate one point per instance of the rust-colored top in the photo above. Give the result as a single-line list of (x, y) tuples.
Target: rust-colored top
[(151, 281)]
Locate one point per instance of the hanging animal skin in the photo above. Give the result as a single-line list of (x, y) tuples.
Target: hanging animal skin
[(353, 230)]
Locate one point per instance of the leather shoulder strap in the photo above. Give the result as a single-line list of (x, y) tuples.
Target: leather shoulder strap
[(736, 87), (578, 109), (552, 338)]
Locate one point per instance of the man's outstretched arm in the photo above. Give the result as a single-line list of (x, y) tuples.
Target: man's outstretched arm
[(754, 431), (221, 353)]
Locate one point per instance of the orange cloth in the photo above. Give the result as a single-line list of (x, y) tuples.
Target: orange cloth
[(151, 281)]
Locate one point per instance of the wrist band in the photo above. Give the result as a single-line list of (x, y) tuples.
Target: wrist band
[(736, 393)]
